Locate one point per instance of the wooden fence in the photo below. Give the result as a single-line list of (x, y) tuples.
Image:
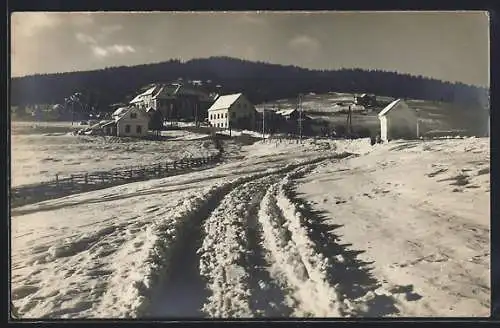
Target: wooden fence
[(75, 183)]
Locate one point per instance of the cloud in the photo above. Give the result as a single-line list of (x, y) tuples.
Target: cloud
[(86, 39), (303, 42), (101, 51), (116, 49), (29, 23)]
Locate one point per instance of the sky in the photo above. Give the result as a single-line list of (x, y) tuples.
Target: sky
[(450, 46)]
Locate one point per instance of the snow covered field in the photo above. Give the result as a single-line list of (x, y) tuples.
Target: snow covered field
[(286, 230), (39, 156)]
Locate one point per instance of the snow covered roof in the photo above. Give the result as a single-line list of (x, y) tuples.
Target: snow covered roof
[(168, 90), (108, 123), (390, 106), (286, 112), (142, 112), (225, 101), (139, 97), (120, 111), (149, 91), (100, 124)]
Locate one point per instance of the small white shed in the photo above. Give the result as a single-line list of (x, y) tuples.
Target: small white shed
[(398, 121)]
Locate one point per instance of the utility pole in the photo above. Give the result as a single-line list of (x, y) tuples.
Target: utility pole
[(196, 114), (417, 111), (299, 105), (349, 121), (263, 121)]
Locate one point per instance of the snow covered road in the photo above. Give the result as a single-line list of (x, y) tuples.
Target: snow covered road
[(277, 233)]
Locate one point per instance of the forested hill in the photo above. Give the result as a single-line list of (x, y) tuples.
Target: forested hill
[(259, 81)]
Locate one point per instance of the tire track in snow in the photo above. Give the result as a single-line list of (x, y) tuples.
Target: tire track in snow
[(180, 291), (301, 269), (232, 260), (269, 298)]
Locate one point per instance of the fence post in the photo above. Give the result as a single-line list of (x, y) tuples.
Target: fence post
[(86, 178), (159, 169), (174, 164), (57, 180), (102, 177), (166, 166), (72, 182)]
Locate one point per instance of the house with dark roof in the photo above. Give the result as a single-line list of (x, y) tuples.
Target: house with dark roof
[(175, 101)]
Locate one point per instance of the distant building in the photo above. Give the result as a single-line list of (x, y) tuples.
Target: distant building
[(175, 101), (232, 111), (272, 120), (289, 114), (398, 121), (366, 100)]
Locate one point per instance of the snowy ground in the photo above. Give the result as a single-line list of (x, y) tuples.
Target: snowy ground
[(247, 238), (420, 213), (39, 157)]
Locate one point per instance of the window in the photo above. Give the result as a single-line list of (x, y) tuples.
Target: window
[(127, 128), (218, 116), (138, 129), (225, 115), (133, 115)]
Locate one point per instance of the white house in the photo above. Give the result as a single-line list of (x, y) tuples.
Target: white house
[(398, 121), (232, 111), (129, 122)]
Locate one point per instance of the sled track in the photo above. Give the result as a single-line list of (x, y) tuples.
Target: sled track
[(246, 253)]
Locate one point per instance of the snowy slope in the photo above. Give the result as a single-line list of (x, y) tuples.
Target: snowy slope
[(420, 212), (236, 240)]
